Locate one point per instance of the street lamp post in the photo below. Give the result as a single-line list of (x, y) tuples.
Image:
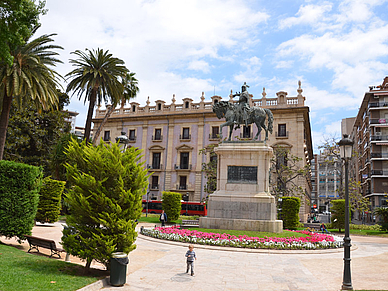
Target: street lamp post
[(122, 140), (187, 201), (148, 192), (346, 148)]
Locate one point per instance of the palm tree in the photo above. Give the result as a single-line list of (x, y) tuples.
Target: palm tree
[(97, 75), (30, 76), (130, 91)]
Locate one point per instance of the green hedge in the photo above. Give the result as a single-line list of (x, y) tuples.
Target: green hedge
[(49, 205), (19, 197), (338, 214), (290, 212), (171, 204)]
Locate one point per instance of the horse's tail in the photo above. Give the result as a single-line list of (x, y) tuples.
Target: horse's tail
[(270, 119)]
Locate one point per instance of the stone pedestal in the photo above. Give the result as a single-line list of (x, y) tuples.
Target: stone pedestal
[(242, 200)]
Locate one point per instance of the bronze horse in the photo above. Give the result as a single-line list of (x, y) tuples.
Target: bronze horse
[(256, 115)]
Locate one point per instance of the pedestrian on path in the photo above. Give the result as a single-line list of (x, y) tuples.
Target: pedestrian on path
[(323, 228), (163, 218), (190, 255)]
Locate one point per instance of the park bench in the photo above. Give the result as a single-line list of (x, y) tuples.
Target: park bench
[(188, 222), (36, 242)]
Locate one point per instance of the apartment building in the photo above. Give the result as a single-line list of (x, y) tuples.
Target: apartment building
[(370, 135), (171, 136)]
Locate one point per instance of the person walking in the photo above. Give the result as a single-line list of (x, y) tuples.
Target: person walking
[(323, 228), (190, 255), (163, 218)]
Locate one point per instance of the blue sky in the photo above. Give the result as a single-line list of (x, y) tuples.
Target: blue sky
[(336, 48)]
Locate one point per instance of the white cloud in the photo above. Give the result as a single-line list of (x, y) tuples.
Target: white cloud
[(199, 65), (307, 14)]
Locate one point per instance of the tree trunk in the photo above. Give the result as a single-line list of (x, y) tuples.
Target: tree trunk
[(4, 117), (88, 125), (98, 131)]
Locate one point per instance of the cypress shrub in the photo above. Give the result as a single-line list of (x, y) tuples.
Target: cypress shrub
[(49, 206), (290, 212), (19, 197), (171, 204), (338, 214), (105, 200)]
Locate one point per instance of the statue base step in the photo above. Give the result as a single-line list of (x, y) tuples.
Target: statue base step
[(275, 226)]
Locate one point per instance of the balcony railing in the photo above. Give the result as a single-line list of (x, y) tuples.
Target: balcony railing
[(154, 166), (379, 155), (132, 138), (377, 104), (214, 136), (182, 187), (185, 136), (157, 137), (379, 172), (281, 134), (154, 186), (378, 121), (246, 135), (378, 137), (182, 167)]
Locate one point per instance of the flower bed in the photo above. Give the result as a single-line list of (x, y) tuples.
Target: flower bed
[(312, 241)]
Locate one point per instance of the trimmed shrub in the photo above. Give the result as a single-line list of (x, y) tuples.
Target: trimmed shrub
[(290, 212), (49, 205), (382, 212), (19, 197), (338, 214), (105, 200), (171, 204)]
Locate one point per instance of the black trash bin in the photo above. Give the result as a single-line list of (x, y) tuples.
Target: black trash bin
[(118, 268)]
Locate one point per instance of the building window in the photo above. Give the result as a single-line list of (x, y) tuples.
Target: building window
[(133, 108), (215, 132), (154, 182), (182, 182), (187, 104), (184, 164), (282, 130), (159, 106), (158, 134), (185, 133), (132, 134), (281, 159), (156, 157), (246, 131), (215, 101), (107, 135)]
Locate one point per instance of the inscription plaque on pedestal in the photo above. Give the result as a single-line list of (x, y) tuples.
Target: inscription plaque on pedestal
[(242, 174)]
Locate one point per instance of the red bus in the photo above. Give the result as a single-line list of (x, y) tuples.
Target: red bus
[(188, 208)]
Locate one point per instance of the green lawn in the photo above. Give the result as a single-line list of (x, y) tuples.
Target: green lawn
[(23, 271), (361, 232)]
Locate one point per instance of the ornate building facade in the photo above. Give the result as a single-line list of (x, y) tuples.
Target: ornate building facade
[(171, 136)]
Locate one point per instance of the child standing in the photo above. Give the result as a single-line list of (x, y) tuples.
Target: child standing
[(190, 255)]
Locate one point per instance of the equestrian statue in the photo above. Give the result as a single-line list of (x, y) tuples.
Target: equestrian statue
[(242, 113)]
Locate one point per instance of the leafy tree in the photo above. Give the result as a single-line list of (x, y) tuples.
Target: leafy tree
[(98, 75), (210, 168), (29, 77), (331, 153), (49, 205), (32, 133), (357, 200), (105, 200), (58, 157), (285, 172), (19, 196), (17, 21), (171, 204), (131, 89), (382, 212)]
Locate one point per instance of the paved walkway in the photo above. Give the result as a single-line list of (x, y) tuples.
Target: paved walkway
[(155, 265)]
